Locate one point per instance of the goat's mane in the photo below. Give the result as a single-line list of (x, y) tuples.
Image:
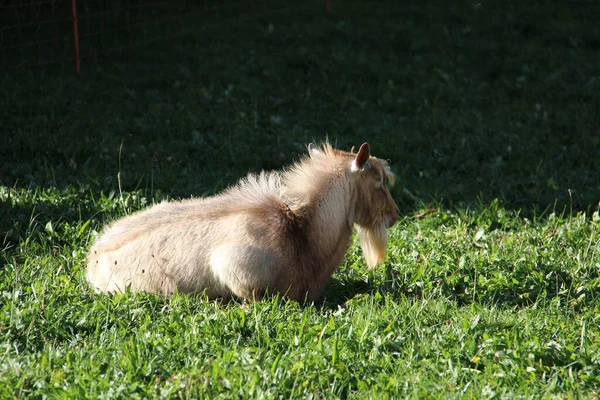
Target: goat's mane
[(300, 185), (305, 180)]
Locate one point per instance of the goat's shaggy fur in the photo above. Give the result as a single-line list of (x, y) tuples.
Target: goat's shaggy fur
[(283, 232)]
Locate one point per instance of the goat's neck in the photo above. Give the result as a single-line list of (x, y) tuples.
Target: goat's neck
[(330, 226)]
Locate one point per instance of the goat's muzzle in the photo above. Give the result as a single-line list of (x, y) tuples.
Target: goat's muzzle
[(392, 217)]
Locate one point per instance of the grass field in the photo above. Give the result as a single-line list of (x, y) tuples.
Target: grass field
[(489, 115)]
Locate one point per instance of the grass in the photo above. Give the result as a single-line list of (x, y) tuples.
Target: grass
[(489, 116)]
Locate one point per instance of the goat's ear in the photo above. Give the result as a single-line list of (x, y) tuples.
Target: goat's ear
[(363, 156), (312, 149)]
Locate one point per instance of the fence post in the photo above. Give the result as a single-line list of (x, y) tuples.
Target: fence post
[(76, 37)]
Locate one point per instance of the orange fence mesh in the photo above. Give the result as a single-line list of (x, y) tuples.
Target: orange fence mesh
[(68, 32)]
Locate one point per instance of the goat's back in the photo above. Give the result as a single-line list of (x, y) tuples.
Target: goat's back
[(168, 247)]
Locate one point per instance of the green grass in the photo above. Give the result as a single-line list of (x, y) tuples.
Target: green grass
[(489, 115)]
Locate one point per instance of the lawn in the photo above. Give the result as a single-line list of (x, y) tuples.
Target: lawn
[(489, 114)]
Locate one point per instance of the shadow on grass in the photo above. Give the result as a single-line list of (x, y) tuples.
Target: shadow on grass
[(45, 222), (339, 290), (456, 96), (559, 287)]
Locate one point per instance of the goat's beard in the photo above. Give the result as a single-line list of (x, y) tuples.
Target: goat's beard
[(373, 242)]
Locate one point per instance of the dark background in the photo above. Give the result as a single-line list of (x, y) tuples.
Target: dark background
[(470, 101)]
